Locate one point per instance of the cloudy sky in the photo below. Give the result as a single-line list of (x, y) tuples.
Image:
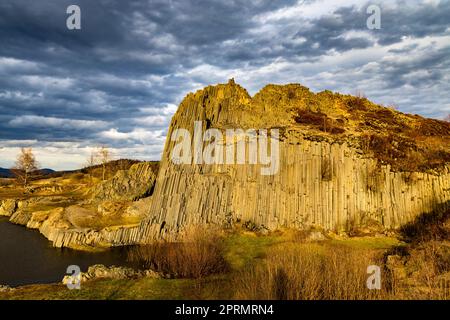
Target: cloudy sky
[(119, 79)]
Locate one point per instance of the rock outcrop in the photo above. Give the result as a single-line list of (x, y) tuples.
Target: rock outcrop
[(344, 163), (5, 289), (326, 178), (132, 184), (109, 217), (100, 271), (8, 207)]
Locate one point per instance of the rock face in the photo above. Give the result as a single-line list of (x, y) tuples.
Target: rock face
[(132, 184), (109, 218), (340, 169), (7, 207), (324, 179)]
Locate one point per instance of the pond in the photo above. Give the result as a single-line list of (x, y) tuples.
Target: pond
[(26, 257)]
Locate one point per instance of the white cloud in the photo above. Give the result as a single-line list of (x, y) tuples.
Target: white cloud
[(11, 64), (51, 122), (139, 134), (168, 110), (48, 82)]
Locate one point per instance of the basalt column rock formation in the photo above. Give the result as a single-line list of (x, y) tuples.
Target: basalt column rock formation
[(132, 184), (331, 174), (343, 163)]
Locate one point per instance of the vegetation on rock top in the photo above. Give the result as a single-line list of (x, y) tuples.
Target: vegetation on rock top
[(406, 142)]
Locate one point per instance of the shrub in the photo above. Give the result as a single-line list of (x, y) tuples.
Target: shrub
[(199, 255), (427, 227), (319, 120), (401, 153), (250, 226), (426, 259), (433, 127), (356, 103)]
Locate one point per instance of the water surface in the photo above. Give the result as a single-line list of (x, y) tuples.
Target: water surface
[(27, 257)]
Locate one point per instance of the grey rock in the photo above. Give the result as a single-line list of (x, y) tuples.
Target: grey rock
[(100, 271), (132, 184)]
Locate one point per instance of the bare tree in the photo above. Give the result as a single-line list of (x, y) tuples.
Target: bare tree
[(447, 118), (26, 165), (91, 161), (104, 156), (360, 94)]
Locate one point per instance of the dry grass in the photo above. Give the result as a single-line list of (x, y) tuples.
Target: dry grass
[(422, 269), (5, 182), (356, 103), (405, 153), (319, 121), (406, 142), (309, 272), (432, 226), (199, 255)]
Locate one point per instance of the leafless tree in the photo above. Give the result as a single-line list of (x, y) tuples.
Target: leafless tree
[(25, 166), (447, 118), (360, 94), (104, 156), (91, 161)]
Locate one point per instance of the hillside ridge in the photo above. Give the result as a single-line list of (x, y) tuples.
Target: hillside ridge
[(406, 142)]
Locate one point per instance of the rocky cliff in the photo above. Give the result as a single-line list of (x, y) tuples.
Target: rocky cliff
[(344, 163)]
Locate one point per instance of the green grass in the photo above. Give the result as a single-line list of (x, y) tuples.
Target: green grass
[(240, 250), (375, 243), (145, 288)]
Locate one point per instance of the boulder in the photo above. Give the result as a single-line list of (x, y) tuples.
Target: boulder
[(54, 217), (81, 217), (8, 207), (5, 289), (109, 208), (138, 208), (316, 236), (100, 271), (132, 184)]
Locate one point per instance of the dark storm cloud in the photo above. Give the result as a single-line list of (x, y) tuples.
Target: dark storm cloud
[(109, 64)]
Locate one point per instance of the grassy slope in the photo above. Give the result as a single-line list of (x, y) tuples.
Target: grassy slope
[(241, 251)]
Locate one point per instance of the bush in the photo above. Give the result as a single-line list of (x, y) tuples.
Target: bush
[(356, 103), (319, 120), (427, 227), (199, 255)]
